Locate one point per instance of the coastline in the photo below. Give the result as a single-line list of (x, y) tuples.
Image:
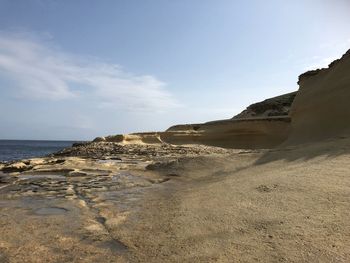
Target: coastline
[(176, 197), (138, 203)]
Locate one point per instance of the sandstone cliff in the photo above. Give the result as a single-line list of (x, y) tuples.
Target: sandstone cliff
[(262, 125), (238, 133), (276, 106), (321, 108)]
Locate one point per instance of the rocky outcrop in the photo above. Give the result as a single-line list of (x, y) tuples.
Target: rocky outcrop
[(99, 139), (315, 72), (135, 138), (321, 108), (262, 125), (115, 152), (317, 111), (233, 133), (277, 106), (16, 167), (251, 133)]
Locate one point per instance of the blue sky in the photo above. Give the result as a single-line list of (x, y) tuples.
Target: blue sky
[(80, 69)]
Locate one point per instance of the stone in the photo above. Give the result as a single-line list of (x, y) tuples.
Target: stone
[(99, 139), (16, 167)]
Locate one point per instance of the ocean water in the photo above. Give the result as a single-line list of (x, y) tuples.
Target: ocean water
[(18, 149)]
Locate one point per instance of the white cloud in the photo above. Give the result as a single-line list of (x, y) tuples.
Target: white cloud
[(40, 71)]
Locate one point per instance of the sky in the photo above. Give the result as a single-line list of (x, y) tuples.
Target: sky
[(77, 69)]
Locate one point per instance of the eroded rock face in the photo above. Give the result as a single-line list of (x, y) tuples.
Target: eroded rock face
[(250, 133), (115, 138), (76, 205), (262, 125), (321, 108), (148, 151), (16, 167), (99, 139), (277, 106), (318, 110), (235, 134)]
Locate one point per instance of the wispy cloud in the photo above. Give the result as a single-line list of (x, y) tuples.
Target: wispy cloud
[(41, 71)]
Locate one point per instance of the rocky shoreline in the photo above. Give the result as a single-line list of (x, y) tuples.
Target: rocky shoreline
[(174, 196), (95, 184)]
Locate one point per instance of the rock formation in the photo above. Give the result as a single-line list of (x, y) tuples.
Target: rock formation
[(317, 111), (145, 197), (262, 125), (235, 133), (321, 108), (276, 106)]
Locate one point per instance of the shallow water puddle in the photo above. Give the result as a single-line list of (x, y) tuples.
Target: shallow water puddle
[(41, 176), (120, 161), (124, 175), (37, 206), (109, 161), (50, 211)]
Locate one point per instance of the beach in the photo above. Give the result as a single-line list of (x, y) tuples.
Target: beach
[(193, 204), (254, 188)]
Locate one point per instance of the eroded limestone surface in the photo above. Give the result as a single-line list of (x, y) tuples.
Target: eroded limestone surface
[(68, 207)]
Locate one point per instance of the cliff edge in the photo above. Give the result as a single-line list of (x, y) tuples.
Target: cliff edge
[(317, 111), (321, 107)]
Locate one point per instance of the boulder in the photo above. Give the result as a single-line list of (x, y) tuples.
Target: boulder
[(99, 139), (16, 167), (115, 138)]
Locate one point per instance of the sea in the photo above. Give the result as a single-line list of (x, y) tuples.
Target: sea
[(11, 150)]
